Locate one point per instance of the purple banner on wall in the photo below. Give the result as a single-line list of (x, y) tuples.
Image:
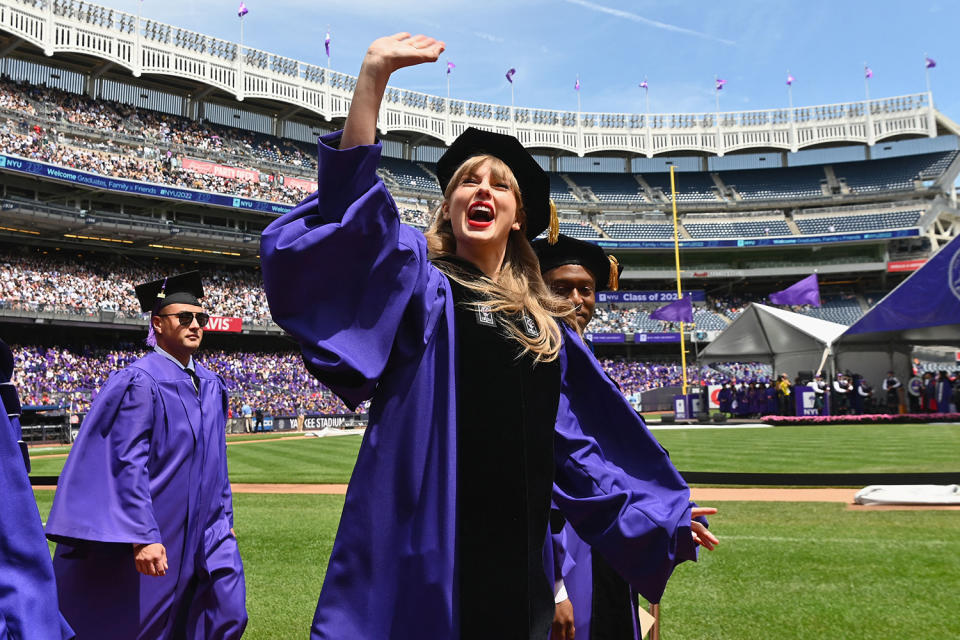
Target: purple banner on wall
[(656, 337), (606, 338), (698, 295)]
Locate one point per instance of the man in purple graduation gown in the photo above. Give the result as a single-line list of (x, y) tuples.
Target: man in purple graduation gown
[(604, 605), (374, 319), (28, 593), (143, 511)]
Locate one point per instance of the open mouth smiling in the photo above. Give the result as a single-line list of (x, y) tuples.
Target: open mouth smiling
[(480, 214)]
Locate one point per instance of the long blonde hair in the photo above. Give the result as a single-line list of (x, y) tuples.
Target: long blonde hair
[(519, 288)]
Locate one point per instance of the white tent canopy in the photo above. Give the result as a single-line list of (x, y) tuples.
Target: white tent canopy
[(789, 341)]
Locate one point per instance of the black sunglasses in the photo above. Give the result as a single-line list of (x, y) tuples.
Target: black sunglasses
[(186, 318)]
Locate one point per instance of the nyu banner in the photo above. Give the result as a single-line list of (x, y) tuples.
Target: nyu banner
[(697, 295), (656, 337), (605, 338)]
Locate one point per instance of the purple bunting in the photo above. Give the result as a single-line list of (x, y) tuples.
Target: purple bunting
[(450, 67), (576, 86), (242, 11), (930, 63), (807, 291), (326, 43), (678, 311), (867, 72), (510, 75), (720, 83), (790, 80), (644, 85)]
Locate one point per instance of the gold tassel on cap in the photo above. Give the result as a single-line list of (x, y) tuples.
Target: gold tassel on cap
[(554, 234), (614, 283)]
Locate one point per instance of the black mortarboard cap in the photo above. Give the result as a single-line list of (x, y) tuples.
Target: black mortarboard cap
[(605, 269), (183, 288), (533, 180)]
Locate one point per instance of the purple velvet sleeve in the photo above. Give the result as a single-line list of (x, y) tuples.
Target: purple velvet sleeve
[(340, 272), (614, 483), (104, 489), (28, 593)]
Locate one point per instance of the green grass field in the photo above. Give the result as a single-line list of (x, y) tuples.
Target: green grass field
[(808, 449), (786, 571), (783, 570)]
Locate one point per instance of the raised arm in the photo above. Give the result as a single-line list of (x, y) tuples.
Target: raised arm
[(384, 56), (341, 274)]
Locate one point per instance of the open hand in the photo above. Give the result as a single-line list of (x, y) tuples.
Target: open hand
[(401, 50), (151, 559), (701, 535)]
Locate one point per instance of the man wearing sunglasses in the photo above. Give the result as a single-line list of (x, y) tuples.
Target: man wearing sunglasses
[(143, 513)]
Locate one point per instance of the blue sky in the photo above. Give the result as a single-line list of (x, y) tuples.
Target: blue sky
[(613, 45)]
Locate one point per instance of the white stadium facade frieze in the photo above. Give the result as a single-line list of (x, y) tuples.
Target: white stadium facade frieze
[(150, 48)]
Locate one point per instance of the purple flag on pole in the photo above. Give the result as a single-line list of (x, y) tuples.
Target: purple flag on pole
[(678, 311), (720, 83), (576, 86), (326, 43), (450, 67), (930, 63), (510, 73), (867, 72), (807, 291), (790, 80), (242, 11), (644, 85)]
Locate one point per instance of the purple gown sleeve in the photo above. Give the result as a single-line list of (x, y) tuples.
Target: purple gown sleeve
[(339, 272), (28, 593), (614, 483), (104, 489)]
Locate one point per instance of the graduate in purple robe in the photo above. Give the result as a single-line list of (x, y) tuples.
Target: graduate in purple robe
[(143, 513), (944, 392), (482, 404), (593, 600), (28, 593)]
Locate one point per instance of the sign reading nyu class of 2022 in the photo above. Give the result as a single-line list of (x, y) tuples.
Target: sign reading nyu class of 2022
[(63, 174)]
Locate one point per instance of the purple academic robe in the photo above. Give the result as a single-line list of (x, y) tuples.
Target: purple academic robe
[(577, 572), (375, 320), (28, 593), (944, 395), (149, 465)]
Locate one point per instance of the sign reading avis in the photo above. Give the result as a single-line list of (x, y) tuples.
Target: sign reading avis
[(218, 324)]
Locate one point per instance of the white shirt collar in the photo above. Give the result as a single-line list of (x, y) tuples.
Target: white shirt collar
[(190, 366)]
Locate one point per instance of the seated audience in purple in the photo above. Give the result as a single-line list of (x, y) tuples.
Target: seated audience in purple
[(467, 358), (143, 513)]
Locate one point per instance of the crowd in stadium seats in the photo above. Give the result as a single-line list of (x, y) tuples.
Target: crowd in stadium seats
[(41, 123), (85, 285), (278, 383)]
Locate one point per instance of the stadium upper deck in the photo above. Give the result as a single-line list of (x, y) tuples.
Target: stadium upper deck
[(107, 44), (188, 97)]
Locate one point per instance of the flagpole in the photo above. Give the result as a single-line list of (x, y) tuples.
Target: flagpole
[(513, 115), (790, 93), (866, 82), (926, 70), (676, 253)]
